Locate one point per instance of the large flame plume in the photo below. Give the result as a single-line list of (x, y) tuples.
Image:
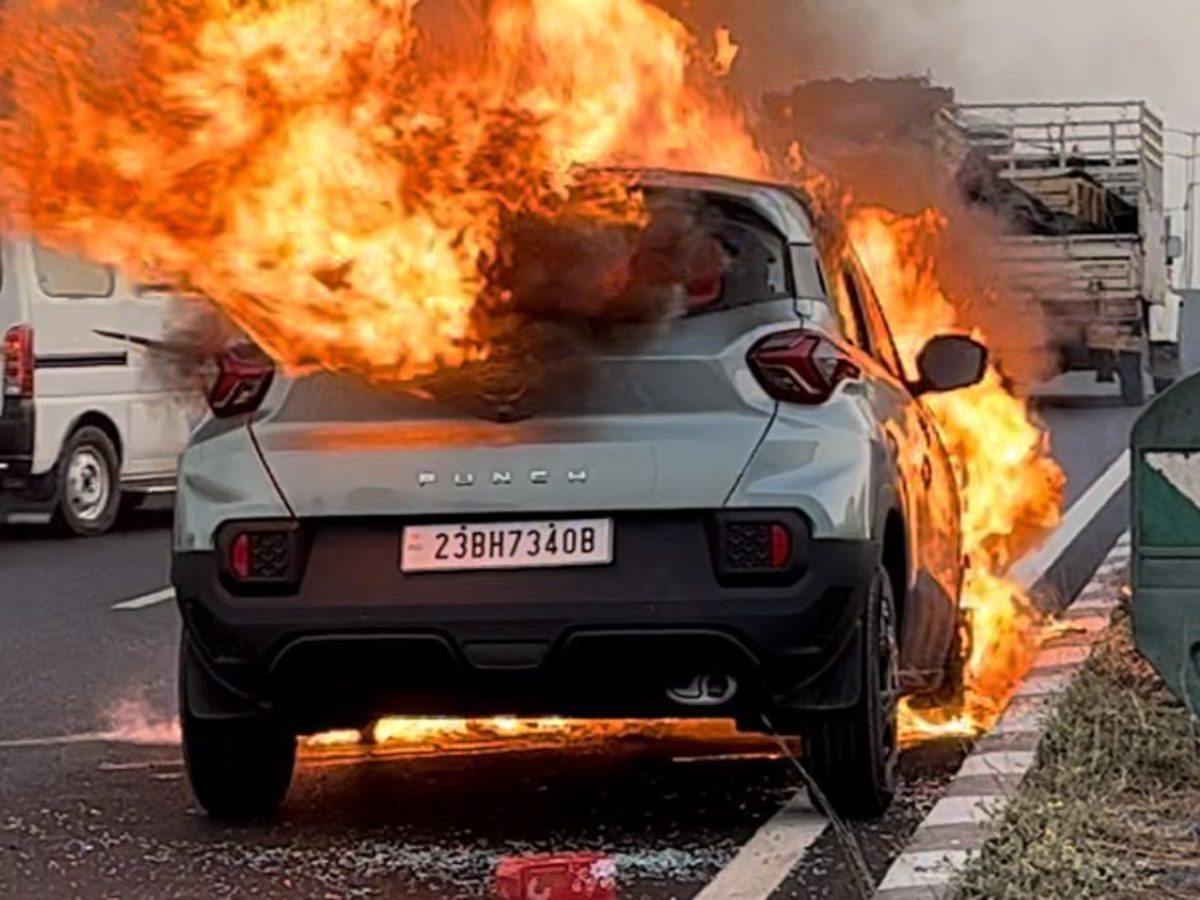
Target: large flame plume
[(1011, 489), (343, 195), (299, 164)]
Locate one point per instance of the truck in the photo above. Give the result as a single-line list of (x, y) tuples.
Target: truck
[(1077, 190)]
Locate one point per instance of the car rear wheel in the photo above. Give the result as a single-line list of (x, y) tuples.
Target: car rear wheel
[(852, 755), (89, 487), (238, 768)]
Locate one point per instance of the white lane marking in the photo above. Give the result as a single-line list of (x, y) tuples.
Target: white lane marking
[(147, 600), (1086, 624), (1053, 657), (766, 859), (972, 810), (1027, 720), (998, 762), (1095, 603), (58, 740), (924, 868), (1045, 685), (1035, 565)]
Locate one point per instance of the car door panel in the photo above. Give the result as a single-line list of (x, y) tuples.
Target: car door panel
[(929, 488)]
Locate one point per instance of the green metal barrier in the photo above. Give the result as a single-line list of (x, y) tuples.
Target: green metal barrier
[(1165, 502)]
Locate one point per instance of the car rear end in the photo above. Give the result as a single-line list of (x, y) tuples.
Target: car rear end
[(16, 389), (649, 538)]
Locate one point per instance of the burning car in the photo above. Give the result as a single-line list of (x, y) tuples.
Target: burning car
[(743, 513)]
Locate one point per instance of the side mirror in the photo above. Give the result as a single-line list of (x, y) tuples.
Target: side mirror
[(950, 362)]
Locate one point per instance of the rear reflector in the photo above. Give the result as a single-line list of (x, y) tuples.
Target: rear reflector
[(263, 556), (781, 547), (18, 362), (239, 557)]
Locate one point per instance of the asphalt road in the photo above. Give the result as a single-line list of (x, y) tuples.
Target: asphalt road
[(87, 809)]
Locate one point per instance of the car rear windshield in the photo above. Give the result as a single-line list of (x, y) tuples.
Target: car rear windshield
[(719, 250)]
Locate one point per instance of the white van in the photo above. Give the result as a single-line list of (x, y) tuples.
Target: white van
[(89, 422)]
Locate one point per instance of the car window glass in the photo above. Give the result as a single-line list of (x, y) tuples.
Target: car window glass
[(850, 311), (722, 254), (61, 275), (881, 332)]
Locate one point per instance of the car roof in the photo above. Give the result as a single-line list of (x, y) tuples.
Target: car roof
[(777, 203)]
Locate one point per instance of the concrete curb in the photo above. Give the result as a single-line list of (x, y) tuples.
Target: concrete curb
[(955, 828)]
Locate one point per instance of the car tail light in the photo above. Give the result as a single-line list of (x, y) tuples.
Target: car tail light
[(263, 556), (18, 362), (244, 376), (761, 546), (800, 366)]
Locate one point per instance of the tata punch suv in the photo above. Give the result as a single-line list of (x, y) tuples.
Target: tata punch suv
[(746, 514)]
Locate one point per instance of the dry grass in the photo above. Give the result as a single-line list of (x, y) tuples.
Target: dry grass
[(1113, 807)]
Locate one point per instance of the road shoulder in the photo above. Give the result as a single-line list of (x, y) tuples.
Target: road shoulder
[(957, 828)]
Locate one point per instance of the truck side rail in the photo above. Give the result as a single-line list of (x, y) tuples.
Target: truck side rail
[(1120, 144)]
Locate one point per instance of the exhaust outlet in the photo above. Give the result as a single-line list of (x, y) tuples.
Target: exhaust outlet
[(704, 690)]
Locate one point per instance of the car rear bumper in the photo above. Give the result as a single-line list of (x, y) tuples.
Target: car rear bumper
[(361, 639), (16, 437), (24, 496)]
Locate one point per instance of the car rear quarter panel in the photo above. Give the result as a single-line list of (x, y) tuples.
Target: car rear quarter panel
[(830, 462), (221, 477)]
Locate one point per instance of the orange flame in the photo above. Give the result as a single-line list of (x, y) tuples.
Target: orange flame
[(344, 199), (1011, 489), (726, 53), (294, 161)]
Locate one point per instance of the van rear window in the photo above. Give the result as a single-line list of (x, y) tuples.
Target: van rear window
[(60, 275)]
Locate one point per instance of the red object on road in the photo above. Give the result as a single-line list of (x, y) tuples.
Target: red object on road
[(566, 876)]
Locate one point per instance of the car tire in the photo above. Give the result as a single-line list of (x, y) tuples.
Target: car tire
[(852, 755), (239, 768), (88, 484)]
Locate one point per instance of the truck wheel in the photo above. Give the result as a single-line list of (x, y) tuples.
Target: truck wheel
[(1164, 365), (1163, 383), (238, 768), (89, 486), (1133, 379), (852, 755)]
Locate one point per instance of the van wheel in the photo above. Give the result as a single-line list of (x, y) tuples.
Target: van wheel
[(89, 487), (852, 755), (238, 768)]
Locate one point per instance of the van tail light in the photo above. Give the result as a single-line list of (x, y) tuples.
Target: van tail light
[(244, 376), (800, 366), (18, 362), (263, 557)]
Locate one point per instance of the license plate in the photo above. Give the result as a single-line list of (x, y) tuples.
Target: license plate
[(506, 545)]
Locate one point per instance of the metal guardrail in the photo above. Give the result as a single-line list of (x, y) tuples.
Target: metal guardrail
[(1165, 504)]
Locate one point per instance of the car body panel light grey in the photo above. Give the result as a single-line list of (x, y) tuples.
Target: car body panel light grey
[(684, 461), (820, 461), (221, 478)]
